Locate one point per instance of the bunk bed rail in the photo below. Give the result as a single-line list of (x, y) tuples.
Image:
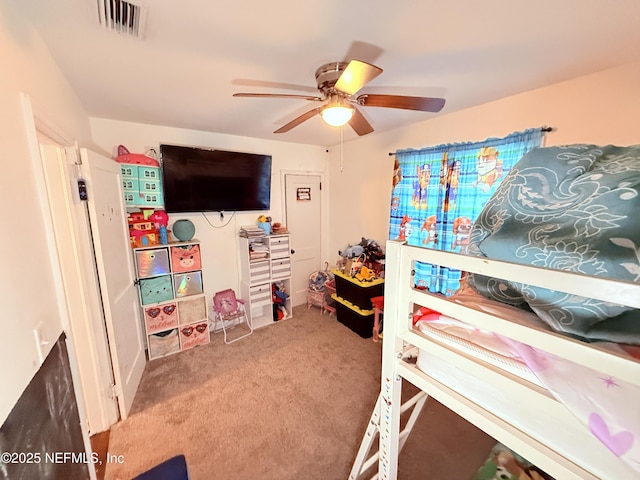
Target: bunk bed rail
[(573, 452)]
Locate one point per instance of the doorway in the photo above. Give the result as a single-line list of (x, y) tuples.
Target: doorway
[(303, 198)]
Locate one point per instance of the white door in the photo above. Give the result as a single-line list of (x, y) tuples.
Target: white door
[(303, 200), (74, 246), (116, 273)]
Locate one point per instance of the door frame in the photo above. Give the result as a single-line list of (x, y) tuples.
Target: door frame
[(324, 209), (87, 345)]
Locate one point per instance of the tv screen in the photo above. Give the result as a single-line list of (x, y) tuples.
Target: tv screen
[(202, 180)]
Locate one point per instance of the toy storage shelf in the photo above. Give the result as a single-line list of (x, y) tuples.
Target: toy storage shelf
[(265, 261), (174, 307)]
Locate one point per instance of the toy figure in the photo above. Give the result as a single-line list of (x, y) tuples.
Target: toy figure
[(461, 230), (404, 228), (432, 234), (451, 185), (279, 299), (397, 172), (419, 199), (351, 251), (372, 249), (160, 218), (489, 168)]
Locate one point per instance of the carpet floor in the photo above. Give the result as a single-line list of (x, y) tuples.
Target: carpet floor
[(291, 401)]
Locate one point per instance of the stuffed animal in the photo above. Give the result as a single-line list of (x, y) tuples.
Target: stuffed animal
[(365, 274), (372, 249), (351, 251)]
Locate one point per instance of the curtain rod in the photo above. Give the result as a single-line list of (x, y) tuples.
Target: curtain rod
[(543, 129)]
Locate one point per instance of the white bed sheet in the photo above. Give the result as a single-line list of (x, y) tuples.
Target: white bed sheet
[(606, 406)]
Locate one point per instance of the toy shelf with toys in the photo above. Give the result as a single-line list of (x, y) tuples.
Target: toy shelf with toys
[(171, 291), (359, 279), (265, 262)]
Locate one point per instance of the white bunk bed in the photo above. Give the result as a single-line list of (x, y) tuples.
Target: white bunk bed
[(521, 414)]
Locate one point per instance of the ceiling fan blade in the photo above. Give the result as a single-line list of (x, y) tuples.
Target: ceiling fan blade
[(360, 124), (423, 104), (365, 52), (279, 95), (355, 76), (297, 121)]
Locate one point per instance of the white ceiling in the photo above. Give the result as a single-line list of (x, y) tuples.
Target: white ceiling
[(196, 53)]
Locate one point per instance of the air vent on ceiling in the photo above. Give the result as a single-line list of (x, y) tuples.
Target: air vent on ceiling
[(122, 17)]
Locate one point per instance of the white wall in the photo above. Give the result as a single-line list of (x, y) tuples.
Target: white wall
[(219, 239), (601, 108), (27, 282)]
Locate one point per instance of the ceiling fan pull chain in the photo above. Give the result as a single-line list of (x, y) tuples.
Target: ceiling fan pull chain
[(341, 148)]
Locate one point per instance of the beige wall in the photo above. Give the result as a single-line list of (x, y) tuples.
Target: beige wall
[(601, 108), (27, 283), (219, 237)]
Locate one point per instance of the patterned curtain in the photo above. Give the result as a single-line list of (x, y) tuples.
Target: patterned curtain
[(438, 192)]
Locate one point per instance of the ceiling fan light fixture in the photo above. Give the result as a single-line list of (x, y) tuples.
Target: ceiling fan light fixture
[(337, 114)]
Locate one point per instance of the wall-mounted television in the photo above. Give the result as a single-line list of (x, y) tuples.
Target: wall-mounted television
[(202, 180)]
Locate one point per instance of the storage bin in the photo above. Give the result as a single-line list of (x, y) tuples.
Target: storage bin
[(259, 272), (156, 289), (152, 262), (356, 292), (189, 283), (193, 335), (164, 343), (280, 268), (279, 246), (358, 320), (192, 310), (161, 317), (185, 258), (260, 296)]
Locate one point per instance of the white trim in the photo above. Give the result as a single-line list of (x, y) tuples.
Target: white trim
[(561, 445), (31, 118)]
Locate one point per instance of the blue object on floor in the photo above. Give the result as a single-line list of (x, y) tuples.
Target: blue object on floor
[(173, 469)]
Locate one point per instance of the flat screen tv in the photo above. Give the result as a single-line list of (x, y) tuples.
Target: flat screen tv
[(202, 180)]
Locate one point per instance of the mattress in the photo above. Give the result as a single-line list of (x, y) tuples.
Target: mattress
[(589, 400)]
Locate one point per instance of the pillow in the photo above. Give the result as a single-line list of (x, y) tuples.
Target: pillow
[(572, 208)]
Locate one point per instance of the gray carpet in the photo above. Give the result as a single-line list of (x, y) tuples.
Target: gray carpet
[(292, 401)]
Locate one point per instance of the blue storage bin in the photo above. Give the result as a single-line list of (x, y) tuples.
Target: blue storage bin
[(156, 289)]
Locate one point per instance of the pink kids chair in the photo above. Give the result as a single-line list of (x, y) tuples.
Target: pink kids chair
[(229, 312)]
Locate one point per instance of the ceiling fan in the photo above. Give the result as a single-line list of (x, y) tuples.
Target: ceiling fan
[(338, 83)]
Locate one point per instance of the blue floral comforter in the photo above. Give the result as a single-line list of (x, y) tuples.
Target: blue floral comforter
[(573, 208)]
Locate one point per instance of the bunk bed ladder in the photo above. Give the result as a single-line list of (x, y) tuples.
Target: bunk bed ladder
[(362, 463)]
